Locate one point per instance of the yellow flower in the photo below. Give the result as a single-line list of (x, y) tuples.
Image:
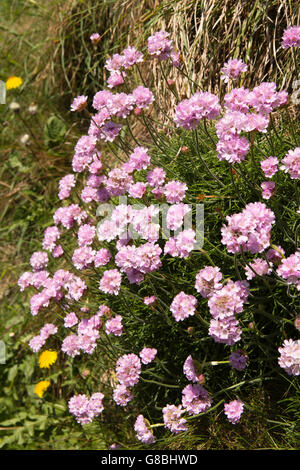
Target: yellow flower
[(41, 387), (47, 358), (13, 82)]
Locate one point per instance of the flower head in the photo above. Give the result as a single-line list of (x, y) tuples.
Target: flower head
[(41, 387), (13, 82), (47, 358), (233, 410)]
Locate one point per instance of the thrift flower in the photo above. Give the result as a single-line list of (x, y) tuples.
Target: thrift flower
[(143, 430), (233, 410)]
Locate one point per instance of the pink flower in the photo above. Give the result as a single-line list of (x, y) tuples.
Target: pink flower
[(147, 355), (176, 214), (79, 103), (289, 269), (102, 257), (228, 300), (156, 177), (195, 399), (175, 191), (189, 369), (115, 79), (95, 38), (132, 57), (264, 98), (128, 369), (183, 306), (291, 37), (143, 431), (111, 282), (268, 189), (137, 190), (208, 280), (149, 300), (86, 409), (143, 97), (260, 266), (39, 260), (190, 112), (172, 418), (182, 245), (159, 45), (249, 230), (83, 257), (70, 320), (122, 395), (291, 163), (226, 331), (232, 69), (86, 234), (269, 166), (233, 410), (114, 325)]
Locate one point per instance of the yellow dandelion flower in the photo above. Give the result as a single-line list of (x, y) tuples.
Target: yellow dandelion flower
[(41, 387), (13, 82), (47, 358)]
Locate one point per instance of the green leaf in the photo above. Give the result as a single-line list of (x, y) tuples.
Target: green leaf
[(54, 131)]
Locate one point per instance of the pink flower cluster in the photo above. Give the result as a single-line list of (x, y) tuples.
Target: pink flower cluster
[(85, 409), (79, 103), (269, 166), (182, 245), (159, 45), (114, 326), (147, 355), (190, 371), (122, 395), (259, 267), (234, 410), (38, 341), (111, 282), (291, 37), (135, 262), (233, 69), (172, 417), (143, 430), (128, 369), (190, 112), (39, 260), (195, 399), (289, 269), (291, 163), (183, 306), (249, 230), (86, 338), (224, 304), (208, 280), (289, 358)]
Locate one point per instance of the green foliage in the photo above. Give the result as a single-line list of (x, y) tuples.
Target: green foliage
[(54, 131)]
